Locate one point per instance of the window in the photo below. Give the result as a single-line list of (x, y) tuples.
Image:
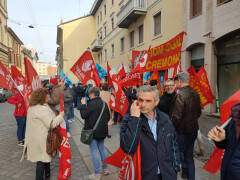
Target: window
[(131, 39), (105, 9), (112, 48), (157, 24), (195, 8), (219, 2), (100, 58), (122, 44), (140, 34), (100, 35), (112, 20), (100, 16), (98, 19), (105, 31), (105, 53), (112, 2)]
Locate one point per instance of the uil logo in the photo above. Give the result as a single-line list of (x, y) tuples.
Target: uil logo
[(36, 83), (1, 72), (87, 66), (127, 171)]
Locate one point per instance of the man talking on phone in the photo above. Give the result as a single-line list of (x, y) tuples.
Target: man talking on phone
[(157, 137)]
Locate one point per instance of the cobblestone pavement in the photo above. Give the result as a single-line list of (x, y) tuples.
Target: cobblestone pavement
[(10, 153)]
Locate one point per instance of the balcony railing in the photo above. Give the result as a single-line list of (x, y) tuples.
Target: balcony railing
[(97, 45), (130, 12)]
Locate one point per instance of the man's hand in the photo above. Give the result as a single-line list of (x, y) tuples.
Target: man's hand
[(83, 101), (19, 105), (135, 110), (217, 134), (62, 114)]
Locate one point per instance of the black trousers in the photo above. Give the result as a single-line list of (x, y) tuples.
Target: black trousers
[(160, 177), (42, 169)]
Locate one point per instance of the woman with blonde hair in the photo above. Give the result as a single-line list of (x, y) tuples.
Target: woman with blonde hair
[(39, 118)]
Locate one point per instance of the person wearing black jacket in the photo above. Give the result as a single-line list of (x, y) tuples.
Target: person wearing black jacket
[(90, 112), (160, 158), (79, 90), (185, 115), (167, 99), (228, 139)]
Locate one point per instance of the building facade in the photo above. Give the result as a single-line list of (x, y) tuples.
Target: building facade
[(3, 33), (213, 41), (15, 54), (114, 28), (126, 25), (73, 38)]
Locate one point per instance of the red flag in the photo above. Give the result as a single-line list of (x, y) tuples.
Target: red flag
[(215, 161), (130, 164), (203, 80), (95, 77), (119, 101), (65, 154), (19, 80), (121, 74), (83, 67), (177, 69), (32, 77), (134, 77), (165, 79), (6, 80), (108, 75)]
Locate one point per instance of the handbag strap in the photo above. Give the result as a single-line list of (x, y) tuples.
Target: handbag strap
[(96, 124)]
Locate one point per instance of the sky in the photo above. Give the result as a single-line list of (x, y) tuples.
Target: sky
[(44, 16)]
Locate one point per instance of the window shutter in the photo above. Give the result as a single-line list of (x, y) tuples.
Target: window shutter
[(157, 24)]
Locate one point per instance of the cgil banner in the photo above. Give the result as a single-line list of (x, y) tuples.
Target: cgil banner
[(166, 55)]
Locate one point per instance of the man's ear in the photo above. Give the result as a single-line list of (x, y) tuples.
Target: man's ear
[(156, 102)]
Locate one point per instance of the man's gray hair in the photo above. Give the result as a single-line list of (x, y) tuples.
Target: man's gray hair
[(147, 88), (169, 80), (183, 76), (94, 90)]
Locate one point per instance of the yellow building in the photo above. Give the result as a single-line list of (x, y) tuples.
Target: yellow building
[(73, 38), (120, 26), (3, 33)]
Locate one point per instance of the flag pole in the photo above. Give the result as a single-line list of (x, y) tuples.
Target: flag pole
[(15, 85)]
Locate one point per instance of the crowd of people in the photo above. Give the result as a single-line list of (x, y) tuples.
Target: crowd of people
[(165, 127)]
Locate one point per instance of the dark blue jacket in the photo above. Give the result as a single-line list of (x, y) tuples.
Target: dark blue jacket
[(163, 153), (230, 144)]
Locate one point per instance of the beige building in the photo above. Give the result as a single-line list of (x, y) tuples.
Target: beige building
[(115, 28), (73, 38), (41, 68), (3, 33), (15, 54), (213, 40)]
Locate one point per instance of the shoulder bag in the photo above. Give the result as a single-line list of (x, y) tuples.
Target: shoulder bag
[(87, 135), (54, 140)]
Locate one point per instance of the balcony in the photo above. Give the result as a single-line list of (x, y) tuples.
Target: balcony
[(96, 45), (130, 12)]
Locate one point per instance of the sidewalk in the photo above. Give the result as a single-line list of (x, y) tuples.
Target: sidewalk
[(112, 145)]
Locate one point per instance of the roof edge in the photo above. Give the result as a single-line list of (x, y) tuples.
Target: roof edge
[(75, 19), (95, 6)]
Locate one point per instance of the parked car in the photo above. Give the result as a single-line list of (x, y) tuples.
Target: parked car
[(4, 94)]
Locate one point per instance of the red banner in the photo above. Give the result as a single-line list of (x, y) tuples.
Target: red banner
[(83, 67), (165, 56), (130, 164)]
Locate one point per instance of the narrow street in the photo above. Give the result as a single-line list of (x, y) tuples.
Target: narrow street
[(12, 169)]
